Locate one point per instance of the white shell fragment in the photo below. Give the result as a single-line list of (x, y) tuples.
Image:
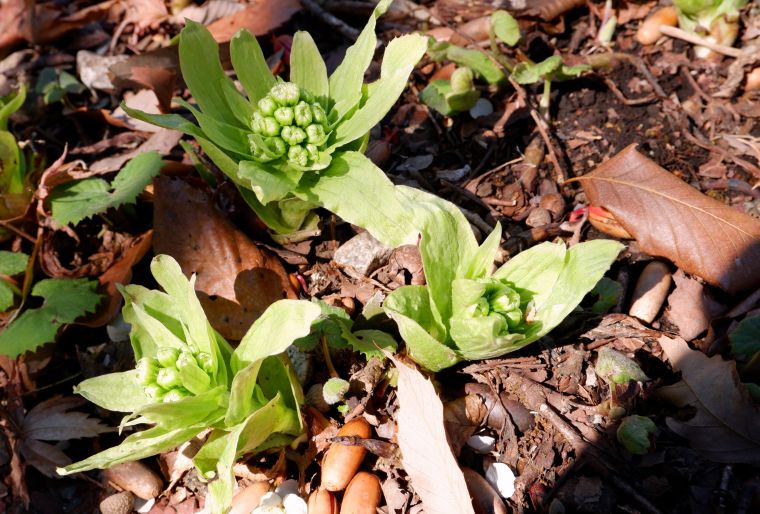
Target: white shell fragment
[(289, 486), (294, 504), (482, 443), (502, 478)]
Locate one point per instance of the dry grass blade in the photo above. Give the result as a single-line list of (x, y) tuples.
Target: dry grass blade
[(669, 218), (426, 455), (725, 427)]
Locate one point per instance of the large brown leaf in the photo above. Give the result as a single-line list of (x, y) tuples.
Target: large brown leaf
[(726, 426), (671, 219), (235, 281), (432, 468)]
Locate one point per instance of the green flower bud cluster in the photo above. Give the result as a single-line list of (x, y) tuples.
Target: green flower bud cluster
[(288, 124), (501, 300), (175, 374)]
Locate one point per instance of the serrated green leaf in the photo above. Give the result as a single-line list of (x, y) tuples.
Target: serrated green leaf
[(371, 343), (12, 263), (74, 201), (307, 68), (250, 65), (505, 27), (65, 301)]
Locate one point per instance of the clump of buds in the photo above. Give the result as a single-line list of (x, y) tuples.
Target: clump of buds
[(290, 125), (175, 374)]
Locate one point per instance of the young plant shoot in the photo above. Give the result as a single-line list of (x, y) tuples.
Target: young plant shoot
[(187, 379), (716, 20), (283, 139), (465, 312)]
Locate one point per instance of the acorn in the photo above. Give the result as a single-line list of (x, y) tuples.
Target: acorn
[(322, 501), (362, 495), (649, 31), (341, 462)]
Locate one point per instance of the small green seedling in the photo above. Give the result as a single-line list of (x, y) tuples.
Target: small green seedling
[(549, 70), (636, 434), (188, 379), (452, 96), (286, 144)]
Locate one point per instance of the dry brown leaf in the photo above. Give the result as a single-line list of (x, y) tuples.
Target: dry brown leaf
[(690, 308), (671, 219), (260, 17), (726, 425), (236, 281), (433, 472)]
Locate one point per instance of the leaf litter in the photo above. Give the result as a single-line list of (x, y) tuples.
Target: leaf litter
[(548, 409)]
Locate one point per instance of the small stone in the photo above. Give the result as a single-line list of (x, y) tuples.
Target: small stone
[(539, 217), (362, 254), (249, 498), (135, 477), (119, 503), (501, 478), (482, 443), (481, 108)]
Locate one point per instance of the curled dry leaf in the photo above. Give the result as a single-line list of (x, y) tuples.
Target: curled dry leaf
[(433, 472), (235, 280), (259, 16), (725, 427), (671, 219)]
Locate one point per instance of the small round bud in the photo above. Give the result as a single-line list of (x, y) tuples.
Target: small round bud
[(298, 155), (318, 114), (205, 361), (147, 369), (270, 127), (285, 93), (293, 135), (303, 114), (335, 390), (277, 146), (313, 151), (167, 356), (168, 378), (267, 106), (176, 395), (315, 134), (284, 115), (461, 80), (154, 392), (257, 122), (635, 433), (185, 359)]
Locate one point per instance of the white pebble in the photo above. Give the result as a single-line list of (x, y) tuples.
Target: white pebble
[(502, 478), (287, 487), (482, 443), (294, 504), (481, 108), (270, 499)]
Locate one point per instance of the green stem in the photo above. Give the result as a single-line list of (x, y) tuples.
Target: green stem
[(546, 98)]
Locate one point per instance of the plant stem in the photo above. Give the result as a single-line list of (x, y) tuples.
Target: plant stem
[(546, 99), (328, 359)]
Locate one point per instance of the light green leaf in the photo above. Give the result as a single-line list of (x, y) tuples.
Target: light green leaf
[(275, 330), (6, 296), (268, 183), (360, 193), (13, 263), (439, 95), (398, 62), (505, 27), (346, 81), (202, 71), (250, 65), (65, 301), (10, 104), (271, 214), (11, 173), (240, 106), (307, 69), (74, 201), (219, 130), (118, 392), (481, 262), (477, 60), (168, 121), (410, 308), (203, 409), (135, 447)]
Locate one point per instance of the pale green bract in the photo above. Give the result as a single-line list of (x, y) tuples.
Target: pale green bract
[(280, 141), (188, 379)]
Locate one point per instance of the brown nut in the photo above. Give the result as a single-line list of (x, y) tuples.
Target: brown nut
[(649, 31), (119, 503), (485, 499), (135, 477), (341, 461), (650, 292), (753, 80), (249, 498), (362, 495), (322, 501)]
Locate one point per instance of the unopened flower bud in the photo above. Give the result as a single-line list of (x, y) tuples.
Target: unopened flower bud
[(335, 390), (167, 356), (257, 123), (147, 369), (285, 93), (168, 378), (293, 135), (277, 146), (205, 361), (267, 106), (284, 115), (192, 376), (315, 134), (461, 80), (298, 155), (176, 395), (318, 114), (313, 151), (270, 127), (154, 392), (303, 114)]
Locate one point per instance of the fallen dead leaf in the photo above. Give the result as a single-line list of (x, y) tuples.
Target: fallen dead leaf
[(162, 141), (725, 427), (433, 471), (670, 219), (260, 17), (236, 281), (690, 308)]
